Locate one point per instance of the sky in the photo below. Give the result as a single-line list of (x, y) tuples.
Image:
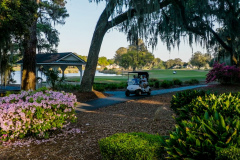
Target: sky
[(76, 34)]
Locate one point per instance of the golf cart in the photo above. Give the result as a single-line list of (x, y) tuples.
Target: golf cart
[(138, 84)]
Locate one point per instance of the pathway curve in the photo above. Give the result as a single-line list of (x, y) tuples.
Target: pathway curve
[(119, 97)]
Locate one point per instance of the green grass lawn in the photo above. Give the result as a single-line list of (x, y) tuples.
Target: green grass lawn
[(183, 75)]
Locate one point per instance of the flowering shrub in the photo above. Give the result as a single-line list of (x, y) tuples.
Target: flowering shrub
[(35, 113), (223, 74)]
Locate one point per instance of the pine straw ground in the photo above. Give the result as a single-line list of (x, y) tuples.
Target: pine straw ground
[(80, 140)]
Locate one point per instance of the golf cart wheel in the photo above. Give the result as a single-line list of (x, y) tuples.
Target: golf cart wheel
[(138, 92), (127, 93), (149, 92)]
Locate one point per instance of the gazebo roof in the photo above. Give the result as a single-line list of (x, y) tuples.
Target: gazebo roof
[(67, 58)]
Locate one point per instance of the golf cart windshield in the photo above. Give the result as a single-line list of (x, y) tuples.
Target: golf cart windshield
[(134, 77), (133, 82)]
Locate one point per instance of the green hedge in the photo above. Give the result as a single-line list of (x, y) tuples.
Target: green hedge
[(156, 84), (166, 84), (177, 82), (192, 81), (131, 146), (96, 86)]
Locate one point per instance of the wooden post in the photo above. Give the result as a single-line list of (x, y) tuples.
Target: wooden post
[(63, 68), (80, 70)]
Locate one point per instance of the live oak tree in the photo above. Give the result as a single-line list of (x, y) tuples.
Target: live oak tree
[(173, 62), (200, 60), (103, 62), (118, 54), (116, 12), (136, 56), (110, 61), (136, 59), (169, 20), (82, 57), (158, 63)]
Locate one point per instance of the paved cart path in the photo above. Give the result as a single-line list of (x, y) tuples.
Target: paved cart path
[(119, 97), (3, 89)]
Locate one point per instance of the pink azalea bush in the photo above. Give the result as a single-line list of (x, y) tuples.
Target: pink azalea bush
[(35, 113), (223, 74)]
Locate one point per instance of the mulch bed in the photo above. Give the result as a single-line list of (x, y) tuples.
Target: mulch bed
[(80, 141), (87, 96)]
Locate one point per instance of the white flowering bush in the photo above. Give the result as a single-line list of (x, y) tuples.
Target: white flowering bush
[(35, 113)]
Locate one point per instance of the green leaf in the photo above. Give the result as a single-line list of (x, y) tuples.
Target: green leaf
[(216, 115), (198, 143), (222, 122), (206, 116), (210, 129), (179, 151)]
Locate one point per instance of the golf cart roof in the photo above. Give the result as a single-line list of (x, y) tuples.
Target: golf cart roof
[(140, 73)]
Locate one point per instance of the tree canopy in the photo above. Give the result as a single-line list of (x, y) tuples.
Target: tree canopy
[(82, 57), (118, 54), (200, 60), (173, 62), (50, 12), (103, 61), (135, 56), (15, 17)]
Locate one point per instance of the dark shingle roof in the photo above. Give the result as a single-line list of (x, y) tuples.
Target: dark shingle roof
[(51, 58)]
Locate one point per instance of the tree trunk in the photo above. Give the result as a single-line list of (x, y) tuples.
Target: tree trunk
[(90, 69), (29, 59), (134, 68)]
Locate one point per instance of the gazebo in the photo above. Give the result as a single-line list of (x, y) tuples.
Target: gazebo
[(55, 61)]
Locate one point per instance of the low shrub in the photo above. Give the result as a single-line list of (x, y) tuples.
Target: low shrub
[(194, 81), (183, 98), (156, 84), (52, 77), (151, 84), (99, 87), (186, 82), (112, 86), (35, 113), (177, 82), (226, 104), (122, 85), (153, 80), (67, 87), (231, 153), (131, 146), (166, 84), (223, 74), (200, 138)]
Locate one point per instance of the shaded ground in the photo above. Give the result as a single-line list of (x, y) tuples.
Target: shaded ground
[(83, 97), (81, 140)]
